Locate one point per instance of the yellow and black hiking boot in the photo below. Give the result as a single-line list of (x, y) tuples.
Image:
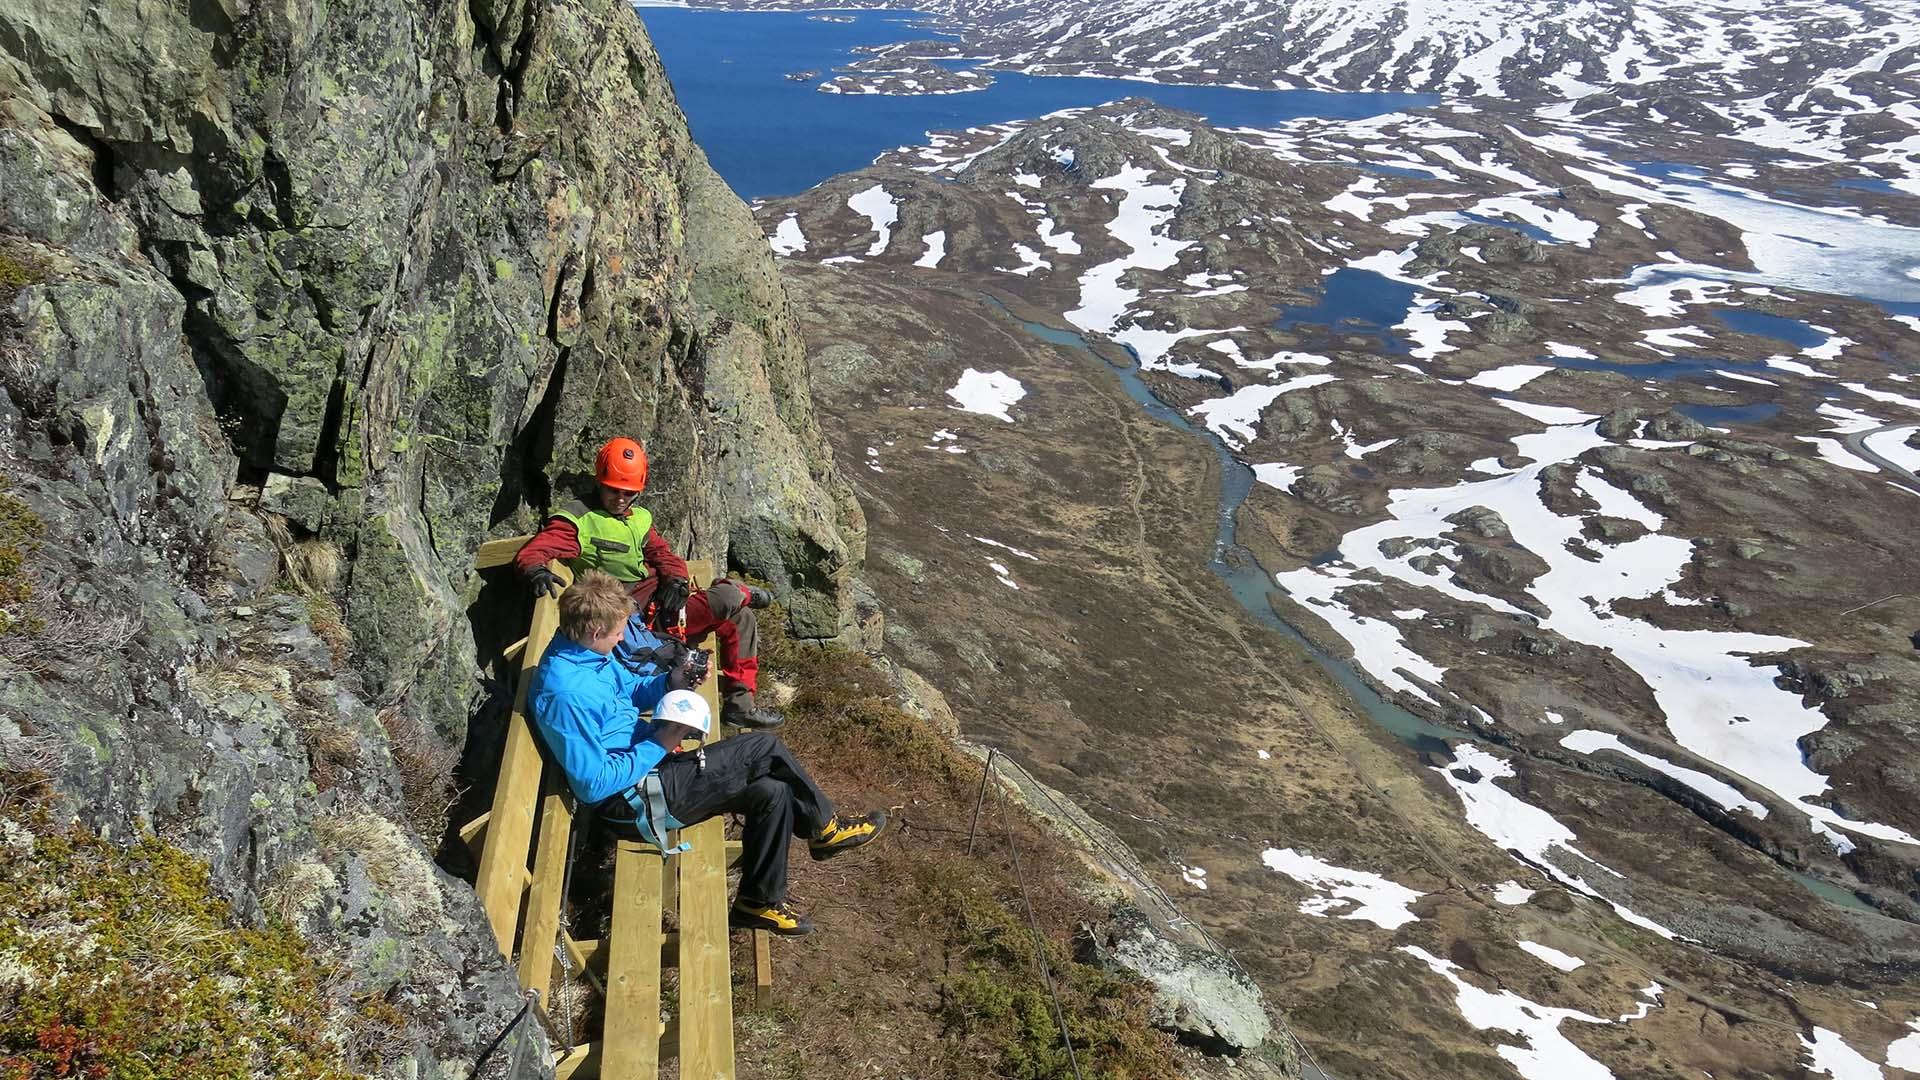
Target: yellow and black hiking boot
[(846, 833), (779, 919)]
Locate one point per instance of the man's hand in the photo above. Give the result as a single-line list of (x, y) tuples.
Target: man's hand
[(669, 600), (545, 582)]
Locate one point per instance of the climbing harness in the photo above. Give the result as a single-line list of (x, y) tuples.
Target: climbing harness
[(648, 798)]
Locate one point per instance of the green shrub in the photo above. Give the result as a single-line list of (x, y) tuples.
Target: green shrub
[(994, 993), (843, 704), (119, 963)]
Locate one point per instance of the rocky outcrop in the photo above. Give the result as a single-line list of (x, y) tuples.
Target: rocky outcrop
[(1201, 994), (345, 289)]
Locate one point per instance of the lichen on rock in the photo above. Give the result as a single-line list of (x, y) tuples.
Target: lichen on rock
[(388, 272)]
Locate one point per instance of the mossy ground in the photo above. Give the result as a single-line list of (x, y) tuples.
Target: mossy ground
[(18, 269), (924, 964), (117, 962), (20, 533)]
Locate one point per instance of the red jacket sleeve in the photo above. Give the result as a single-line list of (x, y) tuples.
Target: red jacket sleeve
[(558, 539), (661, 557)]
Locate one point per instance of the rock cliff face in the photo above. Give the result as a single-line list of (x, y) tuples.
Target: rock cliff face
[(352, 286)]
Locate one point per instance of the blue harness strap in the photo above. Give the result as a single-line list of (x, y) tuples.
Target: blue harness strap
[(649, 801)]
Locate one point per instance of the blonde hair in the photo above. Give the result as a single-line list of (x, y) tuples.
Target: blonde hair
[(594, 604)]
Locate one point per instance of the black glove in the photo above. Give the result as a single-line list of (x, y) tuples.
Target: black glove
[(690, 672), (545, 582), (669, 599)]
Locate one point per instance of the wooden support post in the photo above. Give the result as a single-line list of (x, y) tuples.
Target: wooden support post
[(631, 1043), (543, 898)]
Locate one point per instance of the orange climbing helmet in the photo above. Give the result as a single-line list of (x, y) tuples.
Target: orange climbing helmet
[(622, 463)]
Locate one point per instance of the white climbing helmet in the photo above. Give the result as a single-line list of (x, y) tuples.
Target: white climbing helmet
[(685, 707)]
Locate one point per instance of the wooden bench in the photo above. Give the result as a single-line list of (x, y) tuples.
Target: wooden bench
[(525, 903)]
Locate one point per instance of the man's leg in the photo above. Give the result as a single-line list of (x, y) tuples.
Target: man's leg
[(735, 764), (768, 806), (738, 776), (722, 608)]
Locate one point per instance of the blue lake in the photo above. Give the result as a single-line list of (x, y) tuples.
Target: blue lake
[(1777, 327), (1882, 186), (770, 135), (1355, 302), (1678, 367), (1717, 415)]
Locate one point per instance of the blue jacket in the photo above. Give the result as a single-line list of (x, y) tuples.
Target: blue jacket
[(587, 708)]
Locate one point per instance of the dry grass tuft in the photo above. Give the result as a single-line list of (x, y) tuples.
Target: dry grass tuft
[(426, 766), (315, 563), (32, 754), (279, 531), (394, 861), (928, 941), (330, 626), (331, 747), (297, 890)]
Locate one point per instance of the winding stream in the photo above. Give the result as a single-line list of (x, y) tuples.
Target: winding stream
[(1236, 566), (1250, 585)]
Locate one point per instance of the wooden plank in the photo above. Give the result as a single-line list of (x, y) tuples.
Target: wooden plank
[(762, 969), (631, 1043), (706, 984), (543, 898), (499, 552), (503, 862)]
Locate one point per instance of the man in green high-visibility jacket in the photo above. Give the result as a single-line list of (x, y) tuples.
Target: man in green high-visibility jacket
[(615, 536)]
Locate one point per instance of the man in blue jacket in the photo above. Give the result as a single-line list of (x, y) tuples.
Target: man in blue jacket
[(587, 705)]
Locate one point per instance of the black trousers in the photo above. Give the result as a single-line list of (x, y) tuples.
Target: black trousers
[(753, 774)]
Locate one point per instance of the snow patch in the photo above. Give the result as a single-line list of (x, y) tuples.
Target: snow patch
[(989, 393), (787, 239), (879, 208), (936, 242), (1546, 1053), (1349, 894), (1551, 956)]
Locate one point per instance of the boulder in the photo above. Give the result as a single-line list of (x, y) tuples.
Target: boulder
[(1200, 996)]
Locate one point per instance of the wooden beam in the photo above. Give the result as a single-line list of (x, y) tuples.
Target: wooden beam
[(543, 897), (762, 970), (584, 1062), (631, 1043), (580, 1063), (474, 833), (591, 955), (498, 552), (503, 862), (706, 983)]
